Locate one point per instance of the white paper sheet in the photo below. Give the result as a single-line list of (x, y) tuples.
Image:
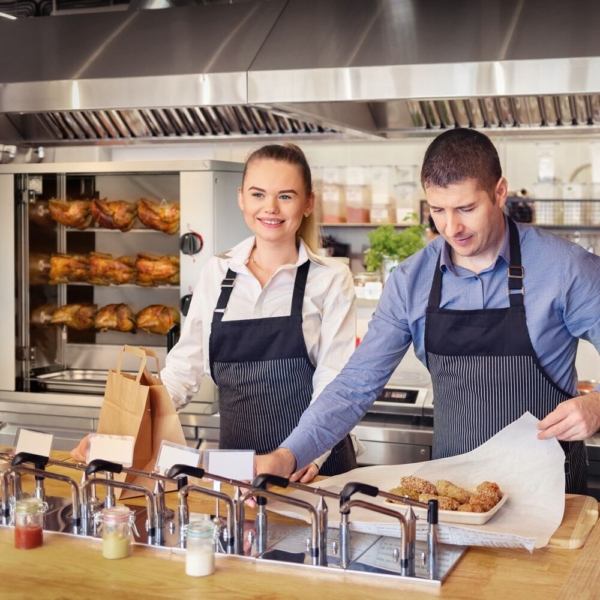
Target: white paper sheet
[(529, 470)]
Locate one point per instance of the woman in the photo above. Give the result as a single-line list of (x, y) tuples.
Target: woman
[(270, 321)]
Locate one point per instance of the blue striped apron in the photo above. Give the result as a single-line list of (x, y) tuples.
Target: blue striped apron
[(264, 376), (486, 374)]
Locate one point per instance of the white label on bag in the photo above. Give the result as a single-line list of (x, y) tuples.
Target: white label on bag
[(233, 464), (34, 442), (175, 454), (114, 448)]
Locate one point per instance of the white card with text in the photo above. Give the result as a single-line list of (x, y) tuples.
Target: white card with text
[(233, 464), (114, 448), (175, 454), (34, 442)]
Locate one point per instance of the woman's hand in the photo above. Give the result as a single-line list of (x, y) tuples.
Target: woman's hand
[(80, 453), (306, 474)]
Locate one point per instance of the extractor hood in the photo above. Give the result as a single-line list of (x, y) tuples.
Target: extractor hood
[(375, 68)]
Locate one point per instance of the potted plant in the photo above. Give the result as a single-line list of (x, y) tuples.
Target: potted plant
[(390, 247)]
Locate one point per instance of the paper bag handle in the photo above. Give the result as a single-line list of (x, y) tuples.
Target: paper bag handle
[(152, 353), (139, 352)]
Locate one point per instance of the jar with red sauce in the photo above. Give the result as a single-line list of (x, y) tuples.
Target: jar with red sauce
[(29, 521)]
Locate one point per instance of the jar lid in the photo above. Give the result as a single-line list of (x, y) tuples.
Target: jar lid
[(117, 514), (29, 505), (200, 529)]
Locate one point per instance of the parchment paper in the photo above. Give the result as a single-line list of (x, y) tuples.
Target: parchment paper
[(529, 470)]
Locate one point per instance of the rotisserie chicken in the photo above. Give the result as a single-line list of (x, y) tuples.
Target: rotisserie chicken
[(157, 270), (162, 217), (65, 268), (104, 269), (116, 317), (117, 214), (78, 316), (157, 318), (42, 315), (39, 213), (74, 213)]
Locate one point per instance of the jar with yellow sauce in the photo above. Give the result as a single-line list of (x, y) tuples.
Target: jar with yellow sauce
[(116, 532)]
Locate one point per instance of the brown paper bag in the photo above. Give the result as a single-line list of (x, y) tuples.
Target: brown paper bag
[(141, 407)]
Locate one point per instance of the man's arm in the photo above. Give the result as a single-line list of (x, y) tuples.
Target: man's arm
[(344, 401)]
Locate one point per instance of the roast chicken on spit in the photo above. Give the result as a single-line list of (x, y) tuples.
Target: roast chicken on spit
[(104, 269), (115, 317), (157, 270), (65, 268), (39, 268), (162, 217), (117, 214), (157, 318), (78, 316), (42, 315), (73, 213)]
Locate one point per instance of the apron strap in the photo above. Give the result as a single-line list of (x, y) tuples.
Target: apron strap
[(299, 287), (226, 289), (516, 273)]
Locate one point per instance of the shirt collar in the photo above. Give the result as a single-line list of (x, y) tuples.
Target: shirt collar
[(446, 259), (239, 255)]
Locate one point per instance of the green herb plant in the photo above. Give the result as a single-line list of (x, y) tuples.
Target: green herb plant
[(388, 243)]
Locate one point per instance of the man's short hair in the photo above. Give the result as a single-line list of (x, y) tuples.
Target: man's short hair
[(459, 154)]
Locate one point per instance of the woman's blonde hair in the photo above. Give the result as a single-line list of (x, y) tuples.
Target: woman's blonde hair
[(293, 155)]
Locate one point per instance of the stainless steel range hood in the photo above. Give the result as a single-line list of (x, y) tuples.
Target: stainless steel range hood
[(380, 68)]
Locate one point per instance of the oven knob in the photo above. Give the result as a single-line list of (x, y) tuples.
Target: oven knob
[(185, 304), (191, 243)]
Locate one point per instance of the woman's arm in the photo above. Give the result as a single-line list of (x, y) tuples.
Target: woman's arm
[(184, 365)]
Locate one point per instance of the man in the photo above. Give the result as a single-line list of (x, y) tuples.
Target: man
[(494, 309)]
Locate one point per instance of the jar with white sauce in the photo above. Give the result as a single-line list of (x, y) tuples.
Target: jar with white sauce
[(116, 532), (200, 549)]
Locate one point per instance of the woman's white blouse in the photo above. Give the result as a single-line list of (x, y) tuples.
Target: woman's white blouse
[(328, 311)]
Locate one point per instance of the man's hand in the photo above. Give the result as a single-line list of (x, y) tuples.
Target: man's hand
[(306, 474), (279, 462), (573, 420)]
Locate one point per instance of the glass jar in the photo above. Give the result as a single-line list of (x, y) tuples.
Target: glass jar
[(29, 522), (368, 285), (200, 549), (116, 532)]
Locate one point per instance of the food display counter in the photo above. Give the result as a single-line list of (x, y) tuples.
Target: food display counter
[(68, 566)]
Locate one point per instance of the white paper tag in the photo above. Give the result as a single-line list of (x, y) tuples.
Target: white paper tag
[(114, 448), (233, 464), (175, 454), (34, 442)]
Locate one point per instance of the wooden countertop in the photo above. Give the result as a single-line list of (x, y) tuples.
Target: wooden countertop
[(68, 567)]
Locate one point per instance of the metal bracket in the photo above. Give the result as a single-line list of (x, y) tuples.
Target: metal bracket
[(25, 353)]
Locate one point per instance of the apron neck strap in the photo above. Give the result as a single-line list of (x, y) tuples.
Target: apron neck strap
[(299, 287), (516, 273), (226, 289), (229, 281)]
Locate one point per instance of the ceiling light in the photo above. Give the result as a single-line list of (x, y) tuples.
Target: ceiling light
[(6, 16)]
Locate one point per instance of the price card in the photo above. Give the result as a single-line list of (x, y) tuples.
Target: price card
[(233, 464), (114, 448), (34, 442), (175, 454)]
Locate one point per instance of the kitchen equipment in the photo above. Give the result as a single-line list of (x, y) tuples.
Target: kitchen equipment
[(581, 514), (61, 359)]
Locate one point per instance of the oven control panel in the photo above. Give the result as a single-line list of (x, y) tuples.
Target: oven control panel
[(403, 400)]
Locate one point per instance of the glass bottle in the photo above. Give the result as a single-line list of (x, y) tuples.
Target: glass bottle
[(200, 553), (116, 532), (29, 521)]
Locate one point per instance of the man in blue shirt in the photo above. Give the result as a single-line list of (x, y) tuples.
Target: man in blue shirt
[(494, 310)]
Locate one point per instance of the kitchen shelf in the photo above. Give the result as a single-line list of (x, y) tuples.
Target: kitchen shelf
[(124, 285), (365, 225), (104, 230)]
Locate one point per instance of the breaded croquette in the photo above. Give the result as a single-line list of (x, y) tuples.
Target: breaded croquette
[(489, 488), (444, 503), (447, 488), (416, 484), (401, 491)]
